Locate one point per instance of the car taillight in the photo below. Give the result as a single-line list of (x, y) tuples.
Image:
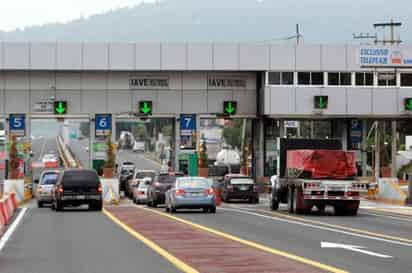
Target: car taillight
[(352, 193), (311, 185), (210, 191), (180, 192), (60, 189), (100, 189), (141, 192)]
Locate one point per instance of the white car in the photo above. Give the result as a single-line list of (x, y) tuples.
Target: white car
[(140, 191), (50, 161), (139, 146)]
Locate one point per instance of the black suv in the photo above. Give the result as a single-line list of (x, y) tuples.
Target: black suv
[(237, 186), (158, 187), (77, 187)]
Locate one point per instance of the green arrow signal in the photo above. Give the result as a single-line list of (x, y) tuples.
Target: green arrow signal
[(322, 103), (409, 104), (60, 109), (146, 108), (229, 108)]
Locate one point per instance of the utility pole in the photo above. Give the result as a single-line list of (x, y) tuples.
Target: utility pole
[(297, 34), (384, 26)]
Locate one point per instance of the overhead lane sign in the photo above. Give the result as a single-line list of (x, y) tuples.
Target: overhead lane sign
[(60, 107), (103, 125), (17, 124), (229, 107), (145, 107)]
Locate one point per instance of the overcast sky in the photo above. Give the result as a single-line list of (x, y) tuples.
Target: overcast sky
[(21, 13)]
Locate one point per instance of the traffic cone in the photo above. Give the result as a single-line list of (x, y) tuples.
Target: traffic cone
[(14, 200), (4, 214)]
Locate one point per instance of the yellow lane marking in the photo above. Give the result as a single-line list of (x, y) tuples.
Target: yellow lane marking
[(354, 230), (172, 259), (252, 244), (407, 212)]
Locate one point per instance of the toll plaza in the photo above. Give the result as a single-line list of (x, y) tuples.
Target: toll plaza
[(168, 105)]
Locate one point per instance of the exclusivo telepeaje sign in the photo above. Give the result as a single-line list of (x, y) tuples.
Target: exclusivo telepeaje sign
[(383, 57)]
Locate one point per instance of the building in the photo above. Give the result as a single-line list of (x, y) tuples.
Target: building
[(305, 90)]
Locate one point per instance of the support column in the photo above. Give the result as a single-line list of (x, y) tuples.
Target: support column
[(91, 140), (377, 152), (260, 138), (177, 143), (364, 154), (344, 135), (394, 149)]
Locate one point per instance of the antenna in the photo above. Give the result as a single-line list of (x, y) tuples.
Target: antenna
[(363, 36), (393, 26)]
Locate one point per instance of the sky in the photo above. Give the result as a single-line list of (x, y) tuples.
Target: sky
[(22, 13)]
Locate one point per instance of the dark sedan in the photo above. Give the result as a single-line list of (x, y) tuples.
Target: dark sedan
[(239, 187), (158, 187)]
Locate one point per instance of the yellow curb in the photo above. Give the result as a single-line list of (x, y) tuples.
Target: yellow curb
[(172, 259), (252, 244)]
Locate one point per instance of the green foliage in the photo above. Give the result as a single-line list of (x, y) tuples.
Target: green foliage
[(110, 153), (203, 159), (14, 161)]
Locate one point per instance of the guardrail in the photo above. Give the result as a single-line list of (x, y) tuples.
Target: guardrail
[(69, 161)]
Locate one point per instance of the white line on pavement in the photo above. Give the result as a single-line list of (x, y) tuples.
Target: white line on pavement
[(11, 229), (387, 216), (317, 227)]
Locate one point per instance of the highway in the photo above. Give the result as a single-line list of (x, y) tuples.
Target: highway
[(81, 241), (76, 241), (139, 159)]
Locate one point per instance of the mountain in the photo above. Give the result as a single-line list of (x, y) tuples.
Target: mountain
[(321, 21)]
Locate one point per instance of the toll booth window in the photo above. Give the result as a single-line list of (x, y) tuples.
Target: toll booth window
[(277, 78), (339, 78), (364, 79), (317, 78), (304, 78), (387, 79), (406, 79)]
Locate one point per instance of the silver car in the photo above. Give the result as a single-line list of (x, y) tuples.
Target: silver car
[(140, 191), (191, 193), (44, 191)]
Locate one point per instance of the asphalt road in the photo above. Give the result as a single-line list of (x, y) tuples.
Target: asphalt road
[(80, 148), (304, 239), (140, 161), (76, 242)]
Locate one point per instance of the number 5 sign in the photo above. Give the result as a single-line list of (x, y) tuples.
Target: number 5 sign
[(103, 125), (17, 124)]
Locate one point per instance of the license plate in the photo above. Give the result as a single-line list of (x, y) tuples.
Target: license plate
[(196, 194), (80, 197), (244, 188)]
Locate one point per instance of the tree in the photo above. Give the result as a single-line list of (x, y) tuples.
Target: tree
[(14, 162), (110, 154)]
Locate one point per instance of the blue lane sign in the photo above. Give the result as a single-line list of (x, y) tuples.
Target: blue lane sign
[(103, 125), (188, 122), (17, 124)]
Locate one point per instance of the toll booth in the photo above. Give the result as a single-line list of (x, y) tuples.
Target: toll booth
[(188, 163)]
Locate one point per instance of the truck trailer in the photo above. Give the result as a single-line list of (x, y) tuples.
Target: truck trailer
[(316, 173)]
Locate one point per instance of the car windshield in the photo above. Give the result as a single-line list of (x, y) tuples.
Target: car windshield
[(143, 186), (193, 183), (166, 179), (126, 172), (80, 177), (141, 175), (238, 181), (49, 179)]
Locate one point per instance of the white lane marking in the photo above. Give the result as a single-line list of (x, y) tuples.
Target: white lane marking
[(388, 216), (319, 227), (359, 249), (11, 229)]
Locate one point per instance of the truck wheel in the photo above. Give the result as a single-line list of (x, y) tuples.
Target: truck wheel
[(352, 208), (321, 208), (291, 209), (300, 205), (212, 209), (39, 204)]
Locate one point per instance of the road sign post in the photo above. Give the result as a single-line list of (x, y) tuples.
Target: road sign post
[(188, 131)]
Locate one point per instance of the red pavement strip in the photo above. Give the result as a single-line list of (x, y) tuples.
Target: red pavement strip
[(203, 251)]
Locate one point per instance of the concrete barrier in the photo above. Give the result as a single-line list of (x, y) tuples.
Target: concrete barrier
[(111, 193), (390, 192), (16, 186)]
